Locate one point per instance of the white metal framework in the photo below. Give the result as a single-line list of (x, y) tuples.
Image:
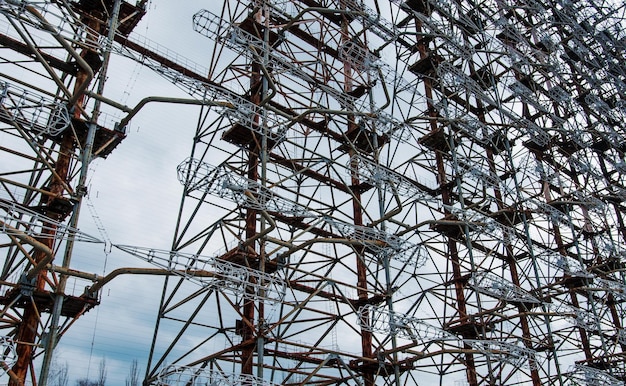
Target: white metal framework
[(403, 192)]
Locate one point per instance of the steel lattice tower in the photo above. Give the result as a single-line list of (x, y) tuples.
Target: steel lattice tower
[(403, 192), (379, 192), (54, 63)]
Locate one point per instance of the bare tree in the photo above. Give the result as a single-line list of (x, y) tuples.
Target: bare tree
[(86, 382), (102, 377), (133, 377), (58, 375), (102, 373)]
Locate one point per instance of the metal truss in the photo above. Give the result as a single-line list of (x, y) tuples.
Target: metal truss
[(497, 287), (379, 193), (506, 352), (33, 111), (197, 175), (380, 243), (216, 274), (584, 375), (380, 319), (53, 55), (9, 354), (20, 221), (438, 183), (420, 175), (206, 376)]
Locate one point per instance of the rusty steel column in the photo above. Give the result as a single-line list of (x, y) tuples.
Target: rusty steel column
[(29, 327), (452, 251), (357, 213), (249, 326)]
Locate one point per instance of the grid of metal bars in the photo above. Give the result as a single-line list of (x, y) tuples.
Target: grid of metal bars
[(450, 167)]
